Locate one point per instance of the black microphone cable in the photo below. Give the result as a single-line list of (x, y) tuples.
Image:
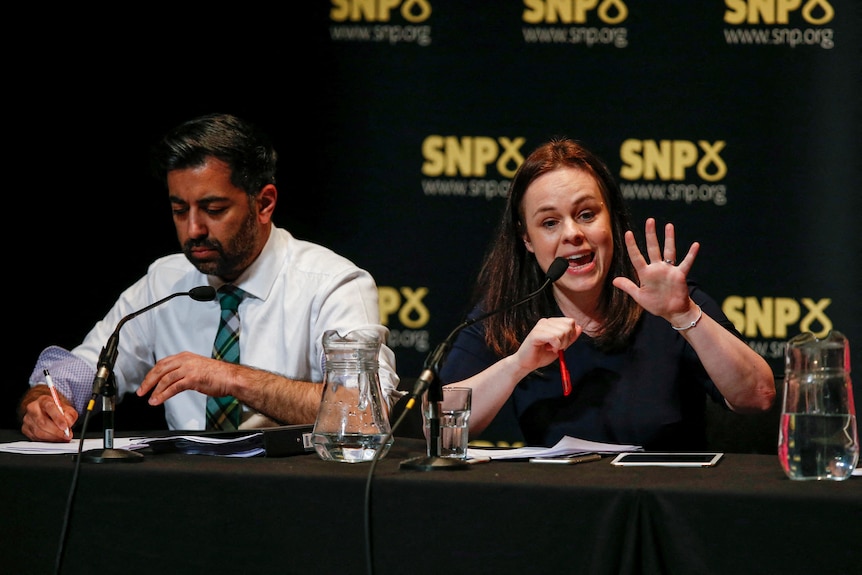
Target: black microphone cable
[(106, 360), (367, 508), (67, 513)]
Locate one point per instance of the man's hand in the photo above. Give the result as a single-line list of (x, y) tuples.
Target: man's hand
[(277, 397), (41, 419)]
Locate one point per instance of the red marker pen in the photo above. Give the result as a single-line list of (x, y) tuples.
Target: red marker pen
[(564, 371)]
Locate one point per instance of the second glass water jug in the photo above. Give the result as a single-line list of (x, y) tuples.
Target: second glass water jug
[(817, 438)]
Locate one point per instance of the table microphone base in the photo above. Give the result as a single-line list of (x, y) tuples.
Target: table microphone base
[(434, 464), (111, 456)]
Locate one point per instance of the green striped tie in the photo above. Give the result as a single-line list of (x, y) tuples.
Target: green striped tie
[(223, 413)]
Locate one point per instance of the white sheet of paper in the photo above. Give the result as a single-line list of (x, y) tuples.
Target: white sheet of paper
[(566, 446), (132, 443), (49, 448)]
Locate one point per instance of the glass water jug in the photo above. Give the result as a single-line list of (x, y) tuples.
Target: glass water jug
[(353, 420), (817, 437)]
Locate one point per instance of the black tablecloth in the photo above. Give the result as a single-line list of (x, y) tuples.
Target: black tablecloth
[(175, 513)]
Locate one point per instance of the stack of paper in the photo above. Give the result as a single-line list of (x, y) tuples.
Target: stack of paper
[(566, 446), (268, 441)]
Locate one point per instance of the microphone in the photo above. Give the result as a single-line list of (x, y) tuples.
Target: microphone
[(435, 360), (429, 381), (108, 357), (103, 383)]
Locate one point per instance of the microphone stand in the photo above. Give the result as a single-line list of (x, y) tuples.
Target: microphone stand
[(105, 385), (110, 454), (430, 380)]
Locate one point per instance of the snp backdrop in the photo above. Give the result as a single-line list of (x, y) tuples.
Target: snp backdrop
[(401, 122), (737, 121)]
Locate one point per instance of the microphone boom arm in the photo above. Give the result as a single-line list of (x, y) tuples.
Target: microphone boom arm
[(108, 357), (103, 382), (434, 360), (429, 379)]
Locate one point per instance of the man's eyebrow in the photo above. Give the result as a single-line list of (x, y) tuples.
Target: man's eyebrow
[(204, 200)]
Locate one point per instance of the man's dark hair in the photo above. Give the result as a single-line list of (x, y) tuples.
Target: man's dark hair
[(242, 146)]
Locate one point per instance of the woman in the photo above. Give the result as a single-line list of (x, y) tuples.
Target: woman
[(642, 342)]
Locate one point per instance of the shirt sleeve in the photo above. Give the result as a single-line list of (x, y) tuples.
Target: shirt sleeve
[(73, 377)]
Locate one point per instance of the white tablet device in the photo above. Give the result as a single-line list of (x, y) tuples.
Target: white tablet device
[(644, 458)]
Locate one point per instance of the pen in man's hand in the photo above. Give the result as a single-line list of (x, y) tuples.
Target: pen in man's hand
[(53, 389), (564, 371)]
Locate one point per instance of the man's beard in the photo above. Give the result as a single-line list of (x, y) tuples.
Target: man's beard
[(231, 260)]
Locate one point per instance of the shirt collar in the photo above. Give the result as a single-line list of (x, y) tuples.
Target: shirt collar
[(258, 278)]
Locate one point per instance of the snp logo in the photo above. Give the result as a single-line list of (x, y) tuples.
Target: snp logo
[(670, 159), (815, 12), (770, 317), (470, 156), (573, 11), (406, 303), (379, 10), (412, 313)]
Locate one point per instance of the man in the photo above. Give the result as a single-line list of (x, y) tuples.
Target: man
[(220, 175)]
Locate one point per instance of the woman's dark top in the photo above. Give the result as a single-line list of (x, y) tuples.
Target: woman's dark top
[(651, 393)]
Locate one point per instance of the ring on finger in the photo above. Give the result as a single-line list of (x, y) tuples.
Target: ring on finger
[(671, 262)]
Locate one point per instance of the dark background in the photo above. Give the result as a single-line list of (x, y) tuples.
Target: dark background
[(90, 92)]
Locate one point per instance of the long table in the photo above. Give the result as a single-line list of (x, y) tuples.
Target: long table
[(175, 513)]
